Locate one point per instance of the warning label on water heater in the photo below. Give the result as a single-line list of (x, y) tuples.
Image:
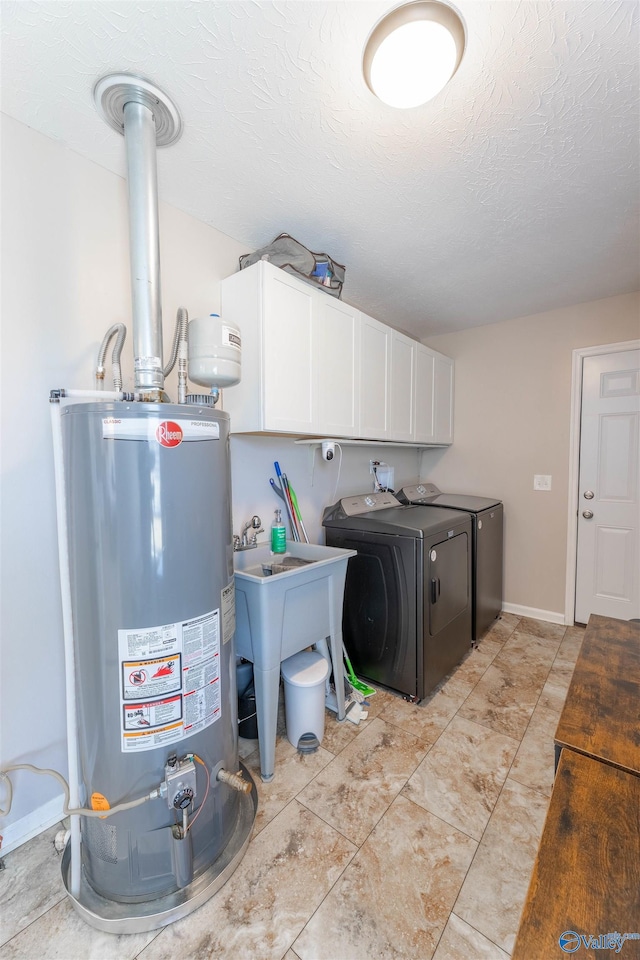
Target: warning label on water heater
[(169, 681)]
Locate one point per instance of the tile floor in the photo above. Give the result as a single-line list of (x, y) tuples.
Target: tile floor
[(411, 835)]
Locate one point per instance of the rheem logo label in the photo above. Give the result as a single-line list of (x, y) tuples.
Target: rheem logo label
[(169, 433)]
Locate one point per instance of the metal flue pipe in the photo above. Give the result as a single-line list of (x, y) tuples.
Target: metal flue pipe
[(147, 118), (144, 249)]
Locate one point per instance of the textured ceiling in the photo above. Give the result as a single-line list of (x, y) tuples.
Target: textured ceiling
[(514, 191)]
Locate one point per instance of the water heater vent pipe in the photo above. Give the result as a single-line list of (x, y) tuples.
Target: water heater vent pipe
[(147, 118)]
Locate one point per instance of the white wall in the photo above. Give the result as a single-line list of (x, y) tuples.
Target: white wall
[(313, 479), (512, 420)]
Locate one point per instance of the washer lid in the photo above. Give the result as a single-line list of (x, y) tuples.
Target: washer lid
[(460, 501), (412, 520)]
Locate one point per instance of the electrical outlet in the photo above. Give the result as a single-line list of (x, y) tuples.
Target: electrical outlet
[(541, 481)]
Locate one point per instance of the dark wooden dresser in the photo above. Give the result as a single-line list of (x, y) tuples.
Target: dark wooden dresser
[(601, 715), (585, 886)]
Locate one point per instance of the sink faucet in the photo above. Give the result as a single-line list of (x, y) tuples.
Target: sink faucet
[(247, 541)]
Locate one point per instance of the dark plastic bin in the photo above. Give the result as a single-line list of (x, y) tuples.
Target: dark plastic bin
[(247, 714)]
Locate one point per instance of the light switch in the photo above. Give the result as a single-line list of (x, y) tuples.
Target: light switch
[(541, 481)]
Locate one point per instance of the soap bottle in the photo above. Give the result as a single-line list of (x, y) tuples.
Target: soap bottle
[(278, 534)]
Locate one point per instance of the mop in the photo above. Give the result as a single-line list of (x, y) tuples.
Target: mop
[(358, 685), (355, 703)]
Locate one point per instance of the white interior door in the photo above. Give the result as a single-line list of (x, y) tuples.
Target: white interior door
[(608, 569)]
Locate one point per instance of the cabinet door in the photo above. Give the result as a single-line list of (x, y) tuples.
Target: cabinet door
[(423, 394), (287, 338), (401, 418), (335, 360), (241, 302), (375, 350), (443, 399)]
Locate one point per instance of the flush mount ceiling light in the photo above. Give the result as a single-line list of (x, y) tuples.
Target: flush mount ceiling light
[(413, 52)]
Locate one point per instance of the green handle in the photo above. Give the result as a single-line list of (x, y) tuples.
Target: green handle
[(294, 500)]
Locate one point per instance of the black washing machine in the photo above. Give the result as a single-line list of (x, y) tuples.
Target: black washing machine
[(407, 601), (487, 538)]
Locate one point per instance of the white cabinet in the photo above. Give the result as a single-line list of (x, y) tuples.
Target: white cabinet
[(423, 395), (401, 393), (375, 361), (274, 314), (287, 344), (299, 355), (433, 397), (443, 399), (336, 328), (315, 366)]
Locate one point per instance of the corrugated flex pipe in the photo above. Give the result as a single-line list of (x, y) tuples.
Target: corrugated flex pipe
[(119, 331), (179, 353)]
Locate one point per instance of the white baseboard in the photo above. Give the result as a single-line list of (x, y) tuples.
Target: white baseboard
[(29, 826), (549, 615)]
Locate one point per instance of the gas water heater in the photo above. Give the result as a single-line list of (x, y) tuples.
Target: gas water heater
[(166, 813)]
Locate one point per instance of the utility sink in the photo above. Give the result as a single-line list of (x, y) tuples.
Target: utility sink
[(249, 563), (280, 614)]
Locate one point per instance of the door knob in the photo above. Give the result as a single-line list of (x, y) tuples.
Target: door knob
[(588, 494), (587, 514)]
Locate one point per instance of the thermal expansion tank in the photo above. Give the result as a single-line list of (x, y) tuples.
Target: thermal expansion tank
[(148, 502)]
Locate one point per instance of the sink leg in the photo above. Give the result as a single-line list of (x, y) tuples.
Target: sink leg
[(336, 591), (335, 641), (267, 687)]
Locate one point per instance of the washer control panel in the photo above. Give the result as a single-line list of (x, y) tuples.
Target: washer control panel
[(420, 492), (366, 502)]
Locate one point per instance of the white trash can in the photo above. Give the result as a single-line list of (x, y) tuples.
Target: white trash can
[(304, 676)]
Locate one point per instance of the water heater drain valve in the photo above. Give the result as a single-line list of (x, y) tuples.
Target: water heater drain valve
[(179, 785)]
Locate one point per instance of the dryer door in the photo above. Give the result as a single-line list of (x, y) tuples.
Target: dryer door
[(447, 581)]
